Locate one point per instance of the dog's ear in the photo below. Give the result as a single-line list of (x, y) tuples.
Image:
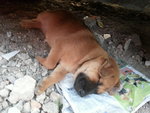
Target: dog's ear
[(106, 69)]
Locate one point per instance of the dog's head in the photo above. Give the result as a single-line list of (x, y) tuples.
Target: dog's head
[(97, 76)]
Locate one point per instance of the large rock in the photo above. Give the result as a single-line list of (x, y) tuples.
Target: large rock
[(5, 104), (23, 89), (147, 63), (27, 107), (50, 107), (19, 105), (13, 110), (55, 97), (4, 92), (35, 106), (40, 98)]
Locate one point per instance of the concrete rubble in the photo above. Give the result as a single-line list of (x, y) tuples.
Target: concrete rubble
[(17, 88)]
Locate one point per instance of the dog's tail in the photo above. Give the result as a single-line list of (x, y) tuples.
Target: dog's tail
[(32, 23)]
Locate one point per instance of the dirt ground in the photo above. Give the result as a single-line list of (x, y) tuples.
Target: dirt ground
[(123, 43)]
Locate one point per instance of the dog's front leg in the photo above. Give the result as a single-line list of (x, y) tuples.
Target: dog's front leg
[(57, 75), (51, 60)]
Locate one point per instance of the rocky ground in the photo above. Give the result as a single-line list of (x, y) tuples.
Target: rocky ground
[(20, 74)]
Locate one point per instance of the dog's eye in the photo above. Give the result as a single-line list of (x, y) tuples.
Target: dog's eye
[(112, 76)]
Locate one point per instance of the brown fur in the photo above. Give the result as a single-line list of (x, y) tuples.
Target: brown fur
[(73, 49)]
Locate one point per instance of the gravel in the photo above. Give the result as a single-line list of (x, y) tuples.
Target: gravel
[(17, 88), (20, 74)]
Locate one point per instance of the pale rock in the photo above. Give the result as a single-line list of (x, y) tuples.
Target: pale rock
[(49, 90), (35, 111), (29, 72), (1, 58), (42, 112), (1, 53), (110, 42), (4, 71), (36, 63), (19, 105), (27, 107), (1, 79), (138, 58), (4, 66), (9, 34), (4, 111), (28, 61), (106, 36), (9, 55), (86, 17), (18, 64), (46, 100), (29, 46), (120, 47), (40, 98), (1, 107), (9, 87), (50, 107), (1, 100), (127, 44), (23, 56), (147, 63), (55, 97), (13, 110), (44, 71), (3, 84), (13, 70), (23, 69), (11, 64), (5, 104), (19, 75), (33, 68), (11, 78), (35, 106), (4, 92), (23, 89)]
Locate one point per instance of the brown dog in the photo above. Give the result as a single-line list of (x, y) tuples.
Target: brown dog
[(74, 49)]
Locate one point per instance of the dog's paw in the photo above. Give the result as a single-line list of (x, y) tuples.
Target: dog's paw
[(38, 91), (43, 61), (39, 88)]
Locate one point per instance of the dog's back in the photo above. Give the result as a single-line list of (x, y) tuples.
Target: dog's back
[(63, 30), (73, 46), (59, 21)]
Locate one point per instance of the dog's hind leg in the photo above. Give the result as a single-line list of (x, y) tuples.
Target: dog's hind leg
[(57, 75), (32, 23)]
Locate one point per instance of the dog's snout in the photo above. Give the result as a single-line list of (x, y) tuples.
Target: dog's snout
[(80, 83), (83, 85), (81, 92)]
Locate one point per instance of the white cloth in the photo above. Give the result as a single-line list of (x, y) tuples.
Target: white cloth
[(93, 103)]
